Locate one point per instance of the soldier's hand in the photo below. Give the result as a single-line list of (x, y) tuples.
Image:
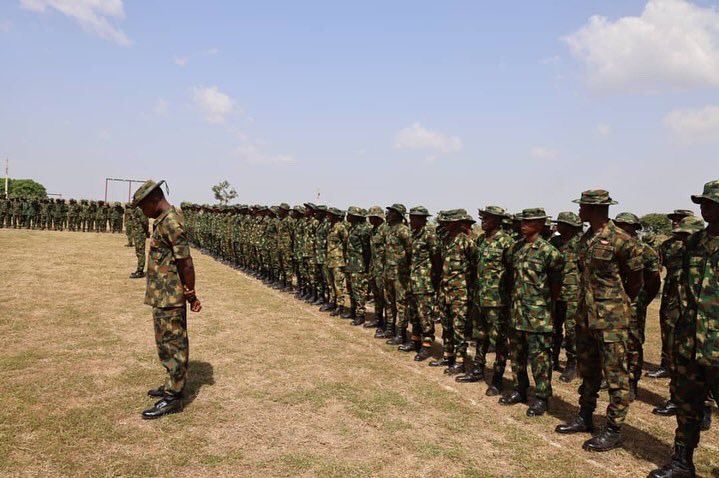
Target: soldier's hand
[(196, 305)]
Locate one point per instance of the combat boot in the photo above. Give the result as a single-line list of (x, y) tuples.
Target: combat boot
[(608, 439), (338, 311), (476, 375), (319, 301), (538, 408), (349, 313), (661, 372), (398, 339), (583, 422), (457, 368), (443, 362), (371, 324), (514, 398), (359, 320), (570, 371), (410, 346), (496, 387), (424, 353), (138, 274), (633, 387), (328, 306), (706, 423), (555, 364), (168, 404), (385, 333), (156, 392), (681, 466), (669, 409)]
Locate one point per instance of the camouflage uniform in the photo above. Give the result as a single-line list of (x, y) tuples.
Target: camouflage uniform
[(285, 228), (44, 214), (59, 214), (140, 230), (323, 229), (4, 210), (337, 256), (397, 250), (376, 269), (127, 217), (358, 258)]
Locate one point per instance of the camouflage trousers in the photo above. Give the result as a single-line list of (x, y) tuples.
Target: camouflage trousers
[(376, 285), (172, 345), (43, 223), (534, 348), (59, 223), (3, 217), (565, 329), (139, 243), (419, 313), (357, 287), (604, 353), (72, 223), (286, 266), (328, 283), (668, 315), (635, 344), (100, 224), (395, 296), (454, 314), (128, 233), (694, 382), (337, 284), (492, 326)]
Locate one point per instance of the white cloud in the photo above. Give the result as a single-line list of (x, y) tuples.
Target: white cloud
[(181, 61), (603, 130), (160, 106), (539, 152), (214, 104), (673, 44), (694, 125), (250, 153), (92, 15), (416, 136)]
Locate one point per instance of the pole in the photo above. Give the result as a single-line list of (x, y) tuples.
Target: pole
[(129, 190), (105, 190), (7, 177)]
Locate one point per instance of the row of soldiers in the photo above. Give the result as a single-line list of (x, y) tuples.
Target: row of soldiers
[(59, 214), (517, 287)]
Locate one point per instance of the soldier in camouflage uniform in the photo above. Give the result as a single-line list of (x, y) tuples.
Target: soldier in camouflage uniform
[(170, 286), (284, 245), (536, 269), (127, 217), (424, 276), (569, 227), (396, 271), (376, 269), (309, 255), (358, 259), (696, 335), (298, 238), (650, 259), (321, 233), (459, 271), (59, 214), (337, 259), (491, 298), (115, 218), (15, 212), (73, 215), (610, 264), (140, 232), (44, 214), (4, 210)]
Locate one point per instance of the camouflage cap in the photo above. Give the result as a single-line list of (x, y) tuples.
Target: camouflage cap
[(494, 211), (299, 209), (690, 225), (310, 205), (321, 208), (455, 215), (711, 193), (336, 212), (570, 218), (628, 218), (678, 214), (144, 190), (375, 211), (284, 206), (419, 211), (398, 208), (356, 211), (596, 197), (517, 217), (533, 213)]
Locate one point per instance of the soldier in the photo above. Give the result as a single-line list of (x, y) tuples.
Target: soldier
[(696, 335), (115, 218), (459, 270), (4, 210), (670, 258), (337, 259), (396, 271), (127, 217), (170, 285), (15, 212), (59, 214), (285, 228), (358, 259), (298, 235), (491, 297), (140, 232), (321, 233), (309, 256), (425, 274), (569, 227), (73, 215), (536, 270), (376, 269), (650, 260), (610, 265), (44, 214)]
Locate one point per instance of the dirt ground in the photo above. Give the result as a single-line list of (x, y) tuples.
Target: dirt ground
[(276, 387)]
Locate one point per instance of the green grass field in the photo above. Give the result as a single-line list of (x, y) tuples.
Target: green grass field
[(276, 387)]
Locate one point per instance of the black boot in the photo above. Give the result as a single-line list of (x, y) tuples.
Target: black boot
[(386, 333), (681, 466), (338, 311), (609, 438), (359, 320), (156, 392), (328, 307), (443, 362), (168, 404), (138, 274), (633, 386), (476, 375), (410, 346), (555, 364), (397, 339), (706, 423), (661, 372), (582, 423), (371, 324), (514, 398), (496, 387), (348, 313), (669, 409), (455, 369), (423, 354), (570, 371), (538, 408)]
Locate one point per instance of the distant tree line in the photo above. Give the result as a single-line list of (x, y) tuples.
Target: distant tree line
[(23, 187)]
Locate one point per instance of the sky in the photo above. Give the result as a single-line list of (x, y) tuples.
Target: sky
[(443, 104)]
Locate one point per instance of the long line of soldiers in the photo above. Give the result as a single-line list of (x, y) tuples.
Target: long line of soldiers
[(516, 286), (59, 214)]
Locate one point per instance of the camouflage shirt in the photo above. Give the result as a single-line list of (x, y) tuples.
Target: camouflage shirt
[(570, 274), (323, 230), (337, 245), (168, 244), (605, 258), (310, 239), (533, 265), (426, 256), (650, 263), (492, 278), (377, 245), (397, 251), (358, 248), (459, 268)]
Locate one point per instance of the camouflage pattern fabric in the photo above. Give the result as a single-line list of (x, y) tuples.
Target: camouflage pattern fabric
[(140, 228), (565, 309), (637, 324), (173, 346), (376, 270), (397, 250), (670, 254), (168, 244), (358, 257)]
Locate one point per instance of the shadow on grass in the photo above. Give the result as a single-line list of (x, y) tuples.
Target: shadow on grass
[(198, 375)]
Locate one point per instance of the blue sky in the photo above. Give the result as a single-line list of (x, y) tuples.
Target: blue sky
[(445, 104)]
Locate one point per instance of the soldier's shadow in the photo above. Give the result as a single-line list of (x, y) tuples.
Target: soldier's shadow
[(199, 374)]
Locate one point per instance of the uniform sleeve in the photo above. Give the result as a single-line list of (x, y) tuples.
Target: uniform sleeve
[(630, 255), (555, 263), (651, 259), (177, 237)]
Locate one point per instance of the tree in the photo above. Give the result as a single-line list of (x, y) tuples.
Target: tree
[(23, 187), (656, 223), (224, 193)]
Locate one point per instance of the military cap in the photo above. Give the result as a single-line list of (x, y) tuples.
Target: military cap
[(321, 208), (710, 193), (628, 218), (244, 207), (596, 197), (284, 206), (533, 213), (493, 211), (398, 208), (299, 209), (356, 211), (517, 217), (569, 218), (419, 211), (376, 211), (310, 205), (275, 209), (335, 212), (678, 214), (455, 215), (507, 220), (144, 190), (690, 225)]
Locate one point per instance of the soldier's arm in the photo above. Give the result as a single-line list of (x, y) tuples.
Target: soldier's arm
[(555, 270), (652, 279), (632, 266)]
